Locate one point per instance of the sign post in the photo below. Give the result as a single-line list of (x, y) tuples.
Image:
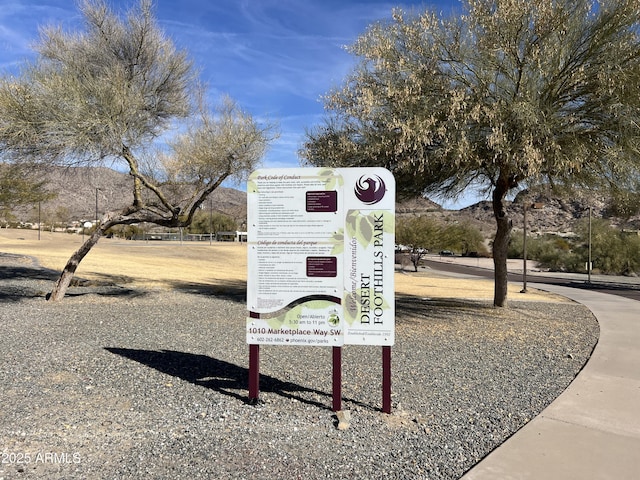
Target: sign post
[(386, 379), (336, 381), (321, 248), (254, 373)]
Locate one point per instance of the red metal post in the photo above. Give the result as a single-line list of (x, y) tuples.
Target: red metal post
[(254, 373), (386, 379), (337, 379)]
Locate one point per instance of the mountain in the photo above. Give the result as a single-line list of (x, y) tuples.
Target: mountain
[(547, 212), (550, 213), (80, 191), (79, 188)]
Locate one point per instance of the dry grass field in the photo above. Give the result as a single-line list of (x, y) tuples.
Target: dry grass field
[(163, 264)]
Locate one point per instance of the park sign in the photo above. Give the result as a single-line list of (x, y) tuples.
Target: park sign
[(321, 257)]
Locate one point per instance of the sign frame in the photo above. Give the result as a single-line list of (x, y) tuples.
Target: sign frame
[(321, 248)]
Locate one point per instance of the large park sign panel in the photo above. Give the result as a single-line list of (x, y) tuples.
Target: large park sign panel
[(321, 257)]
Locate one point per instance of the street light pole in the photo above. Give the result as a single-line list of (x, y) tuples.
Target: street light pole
[(97, 189), (589, 264), (524, 250), (210, 221)]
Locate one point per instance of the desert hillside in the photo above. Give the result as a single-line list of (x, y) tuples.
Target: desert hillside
[(79, 190)]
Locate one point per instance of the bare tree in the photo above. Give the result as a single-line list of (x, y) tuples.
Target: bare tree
[(103, 95), (511, 93)]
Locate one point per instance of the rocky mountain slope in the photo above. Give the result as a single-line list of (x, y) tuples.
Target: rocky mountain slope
[(549, 213), (81, 190), (546, 212)]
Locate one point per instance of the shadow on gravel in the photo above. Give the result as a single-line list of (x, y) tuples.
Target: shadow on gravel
[(16, 287), (104, 291), (32, 273), (232, 291), (410, 308), (14, 291), (218, 375)]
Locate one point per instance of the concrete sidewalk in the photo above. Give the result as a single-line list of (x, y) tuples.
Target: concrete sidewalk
[(592, 430)]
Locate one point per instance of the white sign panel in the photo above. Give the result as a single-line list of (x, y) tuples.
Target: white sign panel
[(321, 256), (369, 249)]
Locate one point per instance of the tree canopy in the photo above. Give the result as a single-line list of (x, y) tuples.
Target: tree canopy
[(110, 93), (508, 94), (19, 187)]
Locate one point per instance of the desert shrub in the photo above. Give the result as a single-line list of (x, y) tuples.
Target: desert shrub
[(613, 252), (124, 231), (211, 222)]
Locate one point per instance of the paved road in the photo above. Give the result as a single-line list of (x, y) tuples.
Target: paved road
[(623, 286)]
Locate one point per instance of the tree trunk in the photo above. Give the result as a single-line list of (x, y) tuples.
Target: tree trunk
[(500, 245), (61, 285)]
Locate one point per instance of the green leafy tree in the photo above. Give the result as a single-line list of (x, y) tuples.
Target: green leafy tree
[(18, 186), (212, 222), (125, 231), (419, 234), (550, 251), (625, 202), (463, 237), (508, 94), (632, 256), (102, 95), (613, 252)]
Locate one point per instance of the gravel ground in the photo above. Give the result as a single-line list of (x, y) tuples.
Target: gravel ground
[(114, 383)]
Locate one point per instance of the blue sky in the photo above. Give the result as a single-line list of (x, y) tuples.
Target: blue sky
[(276, 58)]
